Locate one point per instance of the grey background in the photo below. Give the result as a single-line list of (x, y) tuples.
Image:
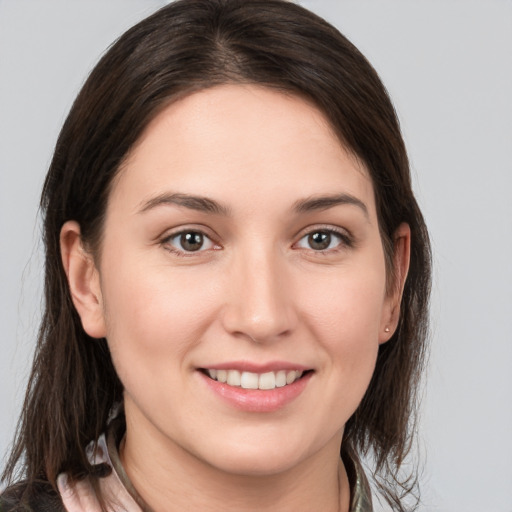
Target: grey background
[(447, 65)]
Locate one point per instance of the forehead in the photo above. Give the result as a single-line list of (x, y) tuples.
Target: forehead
[(232, 139)]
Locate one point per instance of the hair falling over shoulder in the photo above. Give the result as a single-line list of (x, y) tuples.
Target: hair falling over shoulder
[(187, 46)]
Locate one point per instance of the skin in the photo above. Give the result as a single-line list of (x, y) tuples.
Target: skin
[(256, 291)]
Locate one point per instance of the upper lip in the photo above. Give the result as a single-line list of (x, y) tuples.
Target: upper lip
[(248, 366)]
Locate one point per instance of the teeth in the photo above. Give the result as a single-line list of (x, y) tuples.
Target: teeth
[(249, 380), (234, 378), (280, 379), (267, 380)]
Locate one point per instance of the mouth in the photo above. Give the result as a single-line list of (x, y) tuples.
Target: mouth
[(250, 380)]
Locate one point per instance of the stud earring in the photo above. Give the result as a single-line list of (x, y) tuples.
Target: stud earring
[(386, 329)]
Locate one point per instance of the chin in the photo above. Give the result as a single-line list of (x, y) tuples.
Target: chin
[(258, 463), (262, 455)]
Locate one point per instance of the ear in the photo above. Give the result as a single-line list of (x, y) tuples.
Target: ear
[(401, 257), (83, 280)]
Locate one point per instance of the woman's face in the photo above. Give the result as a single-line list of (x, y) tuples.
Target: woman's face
[(241, 242)]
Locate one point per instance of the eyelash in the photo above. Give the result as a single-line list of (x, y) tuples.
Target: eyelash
[(167, 243), (344, 241)]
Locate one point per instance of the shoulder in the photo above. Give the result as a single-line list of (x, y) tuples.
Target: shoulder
[(39, 497)]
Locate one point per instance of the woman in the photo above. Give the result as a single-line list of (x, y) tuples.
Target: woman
[(237, 276)]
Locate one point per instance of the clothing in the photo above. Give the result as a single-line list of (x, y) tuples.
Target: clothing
[(120, 494)]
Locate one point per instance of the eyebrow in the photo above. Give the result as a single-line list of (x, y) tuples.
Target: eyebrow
[(199, 203), (207, 205), (316, 203)]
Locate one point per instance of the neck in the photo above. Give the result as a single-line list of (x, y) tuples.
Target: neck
[(169, 478)]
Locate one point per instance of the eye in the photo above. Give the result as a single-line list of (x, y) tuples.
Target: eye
[(189, 241), (323, 240)]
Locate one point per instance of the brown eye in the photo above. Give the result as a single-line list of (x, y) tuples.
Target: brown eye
[(188, 242), (319, 240), (324, 240), (191, 241)]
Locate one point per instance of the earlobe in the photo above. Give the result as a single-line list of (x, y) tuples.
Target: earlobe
[(401, 258), (83, 280)]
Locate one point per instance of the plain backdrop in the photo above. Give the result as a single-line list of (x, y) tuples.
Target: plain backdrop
[(448, 67)]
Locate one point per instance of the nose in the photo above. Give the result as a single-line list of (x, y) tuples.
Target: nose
[(259, 303)]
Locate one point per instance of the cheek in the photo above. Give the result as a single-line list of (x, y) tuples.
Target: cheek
[(153, 314), (347, 306), (152, 327), (344, 316)]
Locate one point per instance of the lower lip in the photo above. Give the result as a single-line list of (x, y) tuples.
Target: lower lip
[(258, 400)]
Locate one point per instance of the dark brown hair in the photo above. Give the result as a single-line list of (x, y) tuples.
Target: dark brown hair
[(191, 45)]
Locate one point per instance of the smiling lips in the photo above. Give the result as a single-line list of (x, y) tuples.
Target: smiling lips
[(250, 380), (255, 388)]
